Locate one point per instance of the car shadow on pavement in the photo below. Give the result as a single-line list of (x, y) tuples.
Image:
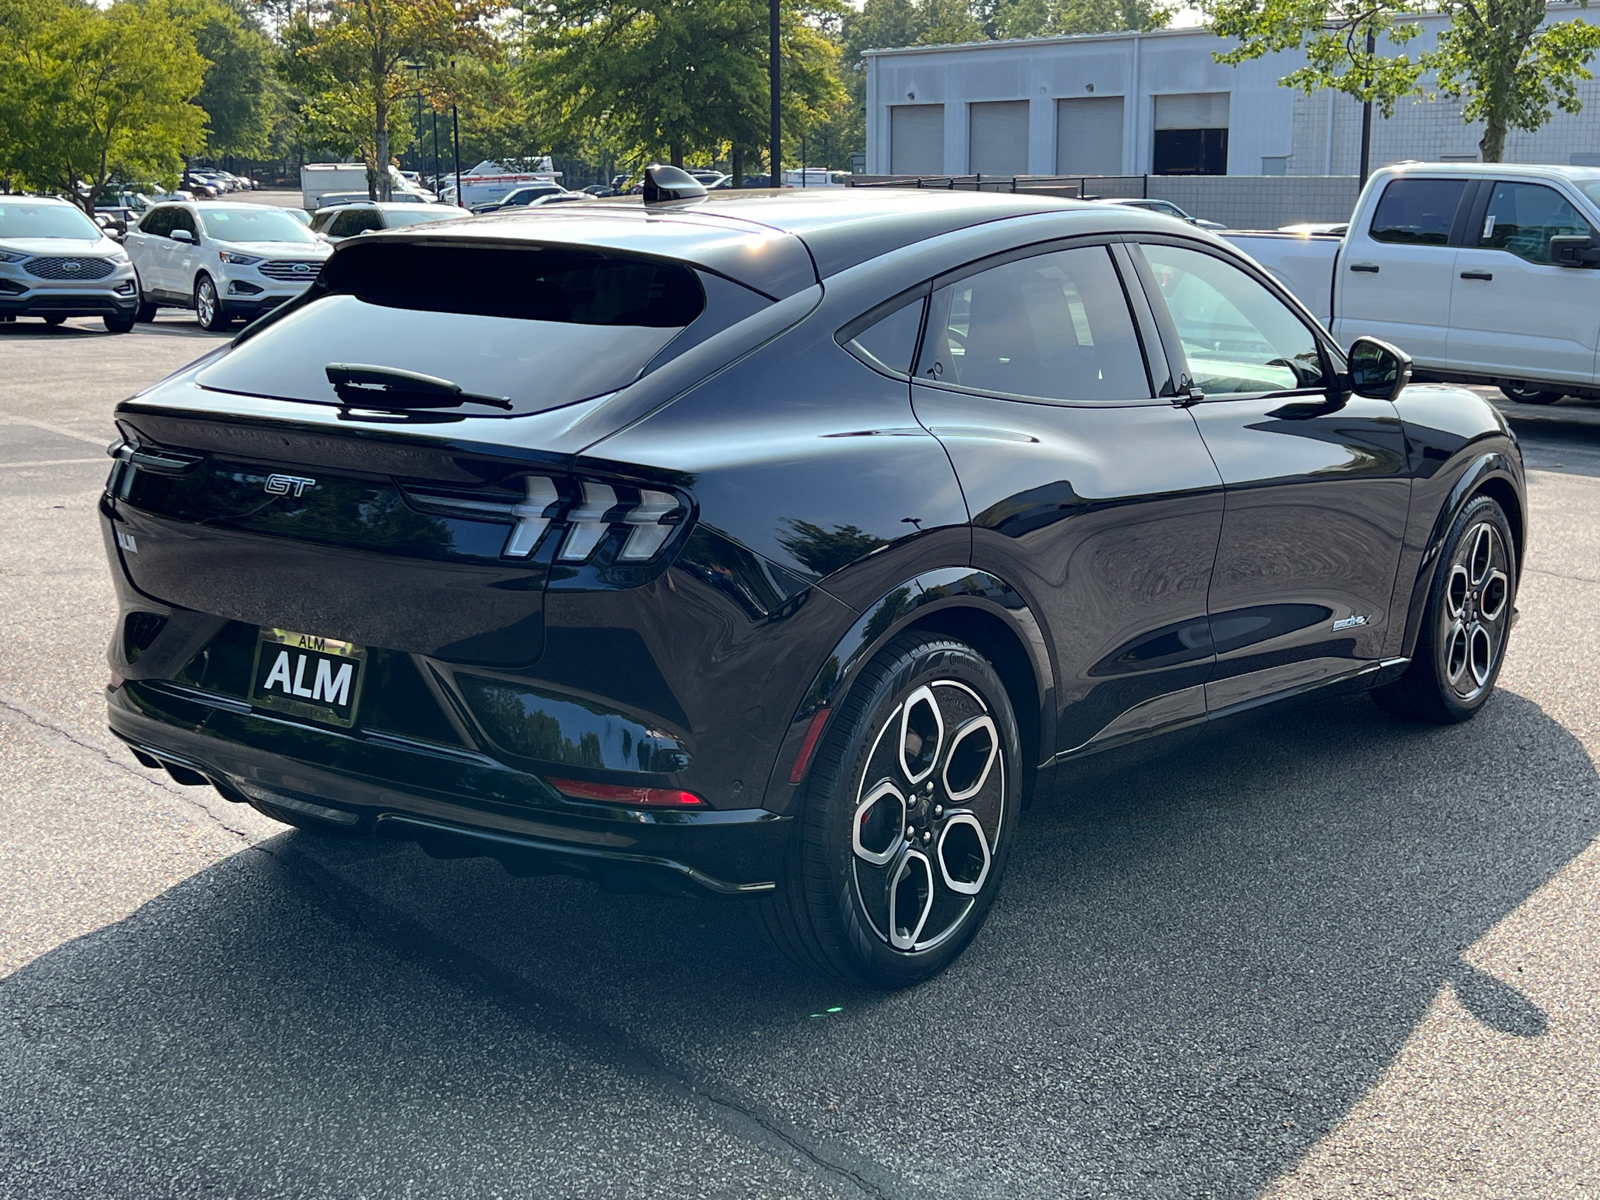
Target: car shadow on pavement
[(1198, 965)]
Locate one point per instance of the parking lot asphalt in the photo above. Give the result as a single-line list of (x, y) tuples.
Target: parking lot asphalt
[(1315, 954)]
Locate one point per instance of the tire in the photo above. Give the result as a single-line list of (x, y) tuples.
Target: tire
[(1466, 625), (1523, 394), (208, 305), (859, 900), (119, 324), (53, 320)]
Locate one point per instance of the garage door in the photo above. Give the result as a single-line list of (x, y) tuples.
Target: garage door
[(916, 139), (1089, 136), (999, 132)]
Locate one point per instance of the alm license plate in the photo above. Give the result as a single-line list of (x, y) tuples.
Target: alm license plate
[(318, 678)]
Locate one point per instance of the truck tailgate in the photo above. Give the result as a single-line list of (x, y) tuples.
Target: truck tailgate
[(1302, 262)]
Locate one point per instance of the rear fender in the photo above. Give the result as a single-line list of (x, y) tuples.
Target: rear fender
[(947, 599)]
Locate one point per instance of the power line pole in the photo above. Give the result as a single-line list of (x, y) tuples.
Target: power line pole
[(775, 73)]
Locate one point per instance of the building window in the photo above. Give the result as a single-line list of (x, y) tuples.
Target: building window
[(1274, 164), (916, 139), (1089, 135), (1191, 134), (999, 138)]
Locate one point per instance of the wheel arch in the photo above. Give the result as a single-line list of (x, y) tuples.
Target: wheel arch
[(1490, 474), (976, 606)]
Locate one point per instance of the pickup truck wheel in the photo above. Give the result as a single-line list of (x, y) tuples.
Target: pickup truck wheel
[(909, 812), (1523, 394), (1462, 641)]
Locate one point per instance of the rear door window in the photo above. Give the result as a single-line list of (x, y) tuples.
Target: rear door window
[(536, 327), (1050, 327), (1417, 212)]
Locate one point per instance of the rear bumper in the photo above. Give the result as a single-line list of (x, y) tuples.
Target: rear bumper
[(454, 803)]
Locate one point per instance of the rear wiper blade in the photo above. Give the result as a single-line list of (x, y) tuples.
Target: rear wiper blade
[(359, 385)]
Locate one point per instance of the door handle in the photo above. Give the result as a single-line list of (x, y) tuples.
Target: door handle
[(1483, 275), (1369, 268)]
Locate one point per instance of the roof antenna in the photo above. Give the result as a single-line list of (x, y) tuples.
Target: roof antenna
[(663, 183)]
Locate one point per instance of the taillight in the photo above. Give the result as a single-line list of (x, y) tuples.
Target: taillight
[(635, 523), (615, 793)]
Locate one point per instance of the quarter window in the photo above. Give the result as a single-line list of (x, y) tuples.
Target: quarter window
[(1052, 327), (1239, 338), (889, 342), (1417, 212), (1523, 217)]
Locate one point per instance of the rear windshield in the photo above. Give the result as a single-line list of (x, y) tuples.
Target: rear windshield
[(536, 327)]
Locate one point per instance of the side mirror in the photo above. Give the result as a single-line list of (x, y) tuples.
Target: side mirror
[(1378, 370), (182, 235), (1574, 251)]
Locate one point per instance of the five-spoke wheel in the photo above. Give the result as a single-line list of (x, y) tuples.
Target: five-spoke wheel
[(908, 816), (1465, 627)]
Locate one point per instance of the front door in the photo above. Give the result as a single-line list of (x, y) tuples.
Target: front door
[(1513, 313), (1316, 480), (1089, 491), (1392, 277)]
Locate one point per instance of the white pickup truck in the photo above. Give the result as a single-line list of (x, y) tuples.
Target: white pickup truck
[(1484, 273)]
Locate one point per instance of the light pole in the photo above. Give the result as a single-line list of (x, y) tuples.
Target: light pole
[(775, 76), (1366, 116), (416, 70)]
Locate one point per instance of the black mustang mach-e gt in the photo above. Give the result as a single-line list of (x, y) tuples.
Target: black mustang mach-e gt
[(781, 545)]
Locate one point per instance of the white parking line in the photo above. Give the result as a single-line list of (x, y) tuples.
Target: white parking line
[(52, 462)]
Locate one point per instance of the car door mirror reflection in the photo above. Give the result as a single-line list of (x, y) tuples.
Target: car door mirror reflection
[(1378, 370)]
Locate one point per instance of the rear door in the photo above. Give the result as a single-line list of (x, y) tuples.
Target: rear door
[(1317, 481), (183, 258), (1089, 488), (148, 245), (1393, 280), (1513, 312)]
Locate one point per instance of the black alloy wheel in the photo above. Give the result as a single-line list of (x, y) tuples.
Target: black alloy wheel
[(1464, 630), (1523, 394), (208, 307), (908, 817)]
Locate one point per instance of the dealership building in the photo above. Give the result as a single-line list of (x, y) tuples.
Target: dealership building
[(1159, 103)]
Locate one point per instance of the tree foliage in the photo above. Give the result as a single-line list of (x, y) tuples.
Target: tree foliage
[(1498, 56), (643, 78), (87, 93), (348, 65), (239, 93)]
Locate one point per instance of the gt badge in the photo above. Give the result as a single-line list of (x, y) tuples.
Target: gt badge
[(288, 485)]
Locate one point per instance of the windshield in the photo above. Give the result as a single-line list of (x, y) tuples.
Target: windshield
[(408, 216), (45, 221), (254, 225), (1590, 188)]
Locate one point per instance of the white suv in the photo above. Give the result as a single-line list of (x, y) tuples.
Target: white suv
[(55, 263), (225, 261)]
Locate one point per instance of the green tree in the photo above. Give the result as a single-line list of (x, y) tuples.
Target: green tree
[(350, 68), (239, 93), (639, 77), (1050, 18), (87, 93), (1498, 56)]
